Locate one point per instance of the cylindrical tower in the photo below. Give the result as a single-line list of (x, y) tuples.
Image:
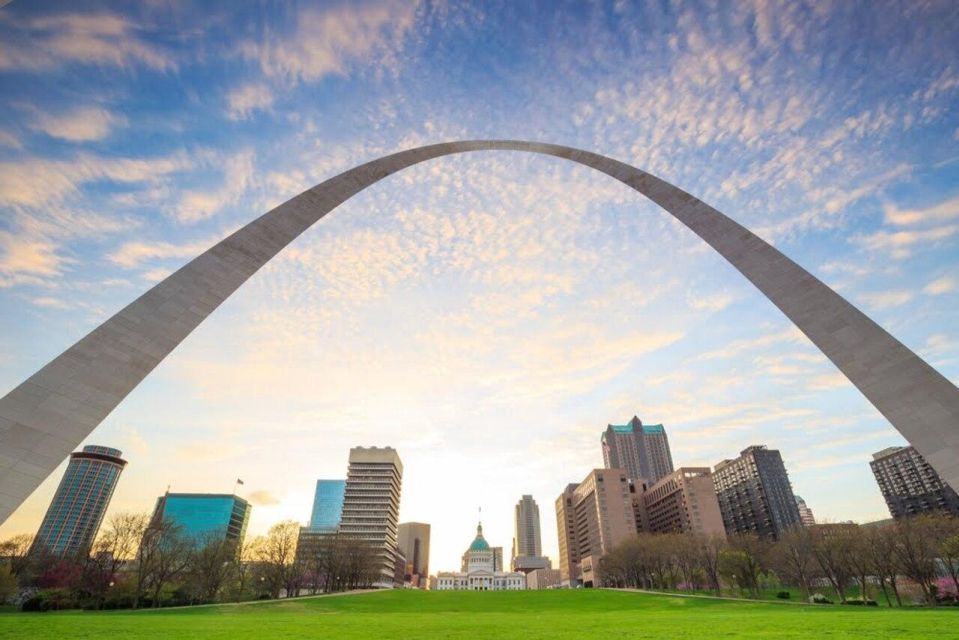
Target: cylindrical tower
[(74, 516)]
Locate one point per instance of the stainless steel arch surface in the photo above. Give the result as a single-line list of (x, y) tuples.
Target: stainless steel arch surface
[(49, 414)]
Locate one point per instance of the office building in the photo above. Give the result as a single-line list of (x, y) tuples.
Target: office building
[(327, 505), (684, 502), (413, 539), (754, 493), (642, 451), (481, 571), (547, 578), (527, 541), (203, 517), (909, 485), (805, 513), (371, 504), (74, 516), (592, 518)]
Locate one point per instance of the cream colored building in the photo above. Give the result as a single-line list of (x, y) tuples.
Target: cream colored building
[(684, 502), (482, 570), (592, 518)]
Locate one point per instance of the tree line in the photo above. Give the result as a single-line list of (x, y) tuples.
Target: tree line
[(136, 564), (914, 559)]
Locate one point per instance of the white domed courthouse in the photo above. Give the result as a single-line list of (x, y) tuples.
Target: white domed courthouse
[(481, 571)]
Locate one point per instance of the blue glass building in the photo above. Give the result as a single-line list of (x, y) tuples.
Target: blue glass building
[(327, 505), (74, 516), (204, 516)]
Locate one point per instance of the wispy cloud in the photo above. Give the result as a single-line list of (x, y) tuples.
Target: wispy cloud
[(945, 210), (940, 286), (900, 244), (242, 101), (104, 39), (886, 299), (200, 204), (80, 125), (329, 40)]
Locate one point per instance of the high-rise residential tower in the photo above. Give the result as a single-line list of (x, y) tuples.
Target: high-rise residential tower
[(909, 485), (642, 451), (805, 513), (413, 539), (327, 505), (74, 516), (683, 502), (754, 493), (203, 517), (527, 541), (592, 518), (371, 504)]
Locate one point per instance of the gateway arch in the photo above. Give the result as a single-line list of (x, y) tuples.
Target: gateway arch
[(44, 418)]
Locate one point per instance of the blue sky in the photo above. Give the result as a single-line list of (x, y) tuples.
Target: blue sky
[(486, 314)]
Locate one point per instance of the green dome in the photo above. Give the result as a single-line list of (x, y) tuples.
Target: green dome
[(479, 543)]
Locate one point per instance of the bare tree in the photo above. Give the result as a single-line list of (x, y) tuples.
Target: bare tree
[(212, 564), (277, 557), (116, 544), (880, 547), (709, 549), (792, 558), (916, 552), (948, 537), (830, 549), (16, 550), (163, 557)]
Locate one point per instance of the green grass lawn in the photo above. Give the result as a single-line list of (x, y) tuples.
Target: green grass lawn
[(528, 615)]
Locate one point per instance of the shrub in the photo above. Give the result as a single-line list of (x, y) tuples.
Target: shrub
[(49, 600), (784, 595), (818, 598), (861, 602)]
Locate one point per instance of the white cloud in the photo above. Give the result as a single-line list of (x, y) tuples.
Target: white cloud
[(32, 256), (79, 125), (102, 39), (945, 210), (714, 302), (199, 204), (242, 101), (328, 41), (940, 286), (132, 254), (887, 299), (901, 243)]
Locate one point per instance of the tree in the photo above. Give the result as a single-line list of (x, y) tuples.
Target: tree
[(8, 583), (277, 557), (830, 549), (915, 551), (879, 545), (709, 549), (116, 545), (792, 558), (948, 535), (163, 556), (743, 562), (212, 564), (16, 550)]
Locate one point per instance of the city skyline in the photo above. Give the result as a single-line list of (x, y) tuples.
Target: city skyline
[(491, 321)]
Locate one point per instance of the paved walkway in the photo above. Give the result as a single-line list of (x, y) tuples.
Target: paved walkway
[(249, 602), (705, 597)]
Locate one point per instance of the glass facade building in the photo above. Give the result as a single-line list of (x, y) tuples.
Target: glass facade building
[(202, 516), (74, 516), (327, 505)]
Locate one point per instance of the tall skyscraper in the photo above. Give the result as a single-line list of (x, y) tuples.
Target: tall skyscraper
[(754, 493), (642, 451), (527, 541), (413, 539), (566, 531), (327, 505), (684, 502), (593, 517), (74, 516), (805, 513), (204, 516), (371, 504), (909, 485)]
